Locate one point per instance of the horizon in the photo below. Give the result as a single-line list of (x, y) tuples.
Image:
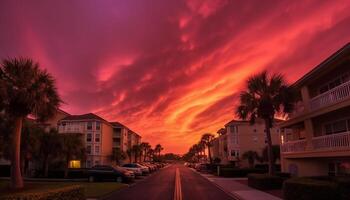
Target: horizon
[(170, 71)]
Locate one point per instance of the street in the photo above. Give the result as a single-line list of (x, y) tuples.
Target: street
[(162, 185)]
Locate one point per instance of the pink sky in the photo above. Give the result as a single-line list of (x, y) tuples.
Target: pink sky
[(170, 70)]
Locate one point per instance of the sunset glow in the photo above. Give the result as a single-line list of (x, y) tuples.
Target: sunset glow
[(169, 70)]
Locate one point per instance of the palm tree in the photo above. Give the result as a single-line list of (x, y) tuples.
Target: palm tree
[(26, 89), (49, 144), (201, 146), (118, 155), (136, 149), (144, 148), (275, 152), (72, 147), (207, 138), (266, 96), (158, 149), (251, 156)]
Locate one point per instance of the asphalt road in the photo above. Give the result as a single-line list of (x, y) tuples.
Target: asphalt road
[(161, 186)]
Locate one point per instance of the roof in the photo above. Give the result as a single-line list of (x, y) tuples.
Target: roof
[(247, 121), (88, 116), (323, 65), (64, 112)]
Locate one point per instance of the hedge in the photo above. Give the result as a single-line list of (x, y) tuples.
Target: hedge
[(265, 181), (69, 192), (309, 189), (239, 172)]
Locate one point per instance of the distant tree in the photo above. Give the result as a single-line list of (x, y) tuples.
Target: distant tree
[(266, 96), (251, 156), (207, 139), (158, 149), (118, 155), (72, 148), (48, 148), (25, 89), (201, 147), (144, 148), (136, 149)]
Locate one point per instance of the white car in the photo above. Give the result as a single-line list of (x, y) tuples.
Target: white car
[(137, 171), (144, 169)]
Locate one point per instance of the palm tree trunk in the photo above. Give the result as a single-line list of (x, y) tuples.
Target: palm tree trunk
[(16, 176), (269, 147)]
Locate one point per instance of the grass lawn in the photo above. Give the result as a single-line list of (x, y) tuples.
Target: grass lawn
[(92, 190)]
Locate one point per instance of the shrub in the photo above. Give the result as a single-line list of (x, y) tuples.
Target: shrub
[(309, 189), (5, 170), (343, 187), (283, 175), (265, 181), (70, 192), (239, 172)]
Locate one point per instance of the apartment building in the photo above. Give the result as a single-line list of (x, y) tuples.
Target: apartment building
[(124, 138), (240, 136), (97, 134), (316, 137), (53, 121)]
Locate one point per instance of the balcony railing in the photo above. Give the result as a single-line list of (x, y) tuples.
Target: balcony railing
[(334, 95), (335, 141), (294, 146)]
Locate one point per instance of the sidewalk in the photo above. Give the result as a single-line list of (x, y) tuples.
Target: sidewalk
[(238, 190)]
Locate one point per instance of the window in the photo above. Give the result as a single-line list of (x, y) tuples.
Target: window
[(232, 129), (336, 127), (97, 137), (89, 126), (88, 163), (88, 149), (88, 137), (233, 153), (97, 149), (97, 162), (98, 126)]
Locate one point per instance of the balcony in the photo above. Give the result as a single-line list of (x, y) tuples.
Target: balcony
[(332, 96), (339, 141), (294, 146), (332, 142)]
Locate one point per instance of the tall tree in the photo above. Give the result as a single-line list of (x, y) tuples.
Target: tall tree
[(158, 149), (118, 155), (144, 148), (26, 89), (136, 149), (30, 142), (207, 139), (72, 148), (48, 148), (266, 96)]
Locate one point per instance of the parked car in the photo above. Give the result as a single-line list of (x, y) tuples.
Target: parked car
[(150, 166), (137, 171), (107, 172), (145, 170)]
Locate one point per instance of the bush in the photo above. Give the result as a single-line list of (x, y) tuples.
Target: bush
[(309, 189), (343, 187), (283, 175), (239, 172), (5, 170), (70, 192), (265, 181), (266, 167)]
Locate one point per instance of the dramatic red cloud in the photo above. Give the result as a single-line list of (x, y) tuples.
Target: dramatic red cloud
[(170, 70)]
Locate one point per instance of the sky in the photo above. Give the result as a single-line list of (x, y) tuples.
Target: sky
[(169, 70)]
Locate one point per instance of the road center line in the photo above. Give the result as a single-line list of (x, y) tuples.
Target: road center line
[(177, 190)]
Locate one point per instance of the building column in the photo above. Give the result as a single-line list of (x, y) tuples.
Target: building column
[(309, 130), (306, 97)]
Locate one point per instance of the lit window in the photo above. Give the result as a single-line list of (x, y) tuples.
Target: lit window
[(89, 126), (97, 137), (98, 126), (88, 137), (74, 164)]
